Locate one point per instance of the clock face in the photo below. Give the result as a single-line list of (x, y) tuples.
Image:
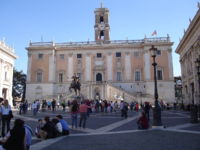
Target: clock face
[(102, 26)]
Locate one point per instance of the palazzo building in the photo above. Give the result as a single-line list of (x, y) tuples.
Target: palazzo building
[(113, 70), (189, 51), (7, 58)]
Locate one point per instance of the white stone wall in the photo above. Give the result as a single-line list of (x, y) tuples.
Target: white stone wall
[(7, 58), (165, 90), (47, 91)]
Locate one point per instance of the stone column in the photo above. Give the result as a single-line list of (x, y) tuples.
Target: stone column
[(170, 64), (29, 67), (52, 67), (147, 66), (128, 66), (88, 67), (11, 84), (109, 66), (70, 67)]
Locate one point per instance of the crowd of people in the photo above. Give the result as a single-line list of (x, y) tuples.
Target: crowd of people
[(51, 128)]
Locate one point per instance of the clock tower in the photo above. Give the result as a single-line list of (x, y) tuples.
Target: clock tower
[(101, 26)]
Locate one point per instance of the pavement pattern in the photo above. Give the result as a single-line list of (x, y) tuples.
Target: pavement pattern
[(108, 131)]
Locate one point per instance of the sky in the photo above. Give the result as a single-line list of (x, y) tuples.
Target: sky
[(73, 20)]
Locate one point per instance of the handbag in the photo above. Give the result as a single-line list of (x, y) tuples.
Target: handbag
[(10, 114)]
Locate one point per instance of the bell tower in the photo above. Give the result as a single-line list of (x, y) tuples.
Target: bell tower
[(101, 27)]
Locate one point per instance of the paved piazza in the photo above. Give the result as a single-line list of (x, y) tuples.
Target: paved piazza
[(108, 131)]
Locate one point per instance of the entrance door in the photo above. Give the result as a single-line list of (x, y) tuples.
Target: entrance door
[(99, 77)]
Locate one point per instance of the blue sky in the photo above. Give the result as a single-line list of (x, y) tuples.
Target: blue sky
[(73, 20)]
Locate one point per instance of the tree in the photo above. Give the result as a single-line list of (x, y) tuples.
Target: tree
[(19, 84)]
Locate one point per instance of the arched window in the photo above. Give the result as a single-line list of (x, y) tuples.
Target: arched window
[(101, 19), (102, 35), (98, 77)]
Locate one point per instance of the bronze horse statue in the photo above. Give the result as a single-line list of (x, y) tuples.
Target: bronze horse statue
[(76, 85)]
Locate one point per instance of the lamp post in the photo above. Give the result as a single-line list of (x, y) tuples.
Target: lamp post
[(197, 64), (157, 109)]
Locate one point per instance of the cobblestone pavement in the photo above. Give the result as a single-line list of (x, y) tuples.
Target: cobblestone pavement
[(108, 131)]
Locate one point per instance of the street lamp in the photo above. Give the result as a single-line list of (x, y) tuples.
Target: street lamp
[(157, 109)]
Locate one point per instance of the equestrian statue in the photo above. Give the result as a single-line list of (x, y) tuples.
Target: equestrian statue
[(76, 85)]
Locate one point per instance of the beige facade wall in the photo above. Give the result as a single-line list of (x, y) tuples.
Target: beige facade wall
[(133, 58)]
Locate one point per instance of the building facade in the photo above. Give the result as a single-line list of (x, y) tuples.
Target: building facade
[(107, 69), (189, 51), (7, 58)]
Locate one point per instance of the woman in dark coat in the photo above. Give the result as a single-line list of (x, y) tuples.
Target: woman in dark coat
[(15, 139)]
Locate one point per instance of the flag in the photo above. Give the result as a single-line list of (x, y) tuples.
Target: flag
[(154, 33)]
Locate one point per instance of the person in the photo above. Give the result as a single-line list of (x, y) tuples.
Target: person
[(64, 124), (125, 110), (146, 109), (49, 105), (28, 135), (34, 108), (136, 107), (121, 108), (74, 113), (83, 108), (38, 128), (15, 139), (58, 126), (21, 107), (63, 104), (143, 122), (5, 112), (48, 130), (53, 104)]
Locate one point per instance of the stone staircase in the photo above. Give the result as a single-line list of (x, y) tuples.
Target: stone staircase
[(130, 96)]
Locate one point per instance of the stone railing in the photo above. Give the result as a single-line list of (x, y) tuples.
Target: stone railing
[(94, 43), (5, 47)]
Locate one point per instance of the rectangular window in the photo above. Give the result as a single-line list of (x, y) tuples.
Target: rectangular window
[(40, 56), (137, 76), (60, 77), (118, 54), (119, 78), (62, 56), (39, 76), (158, 52), (159, 75), (79, 55), (5, 78), (99, 55), (136, 54)]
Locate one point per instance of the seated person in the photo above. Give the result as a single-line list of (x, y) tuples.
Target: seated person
[(15, 138), (64, 124), (38, 128), (143, 122), (48, 130), (58, 126)]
